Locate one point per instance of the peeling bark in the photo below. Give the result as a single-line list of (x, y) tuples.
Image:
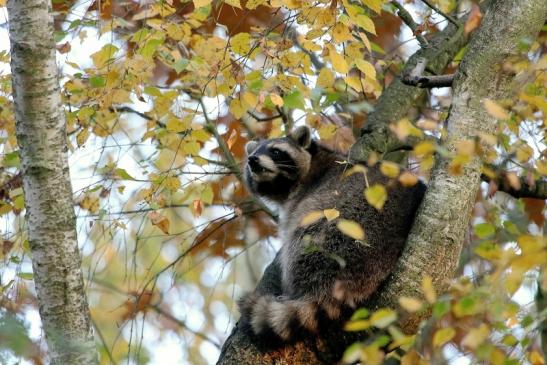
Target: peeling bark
[(435, 242), (41, 135)]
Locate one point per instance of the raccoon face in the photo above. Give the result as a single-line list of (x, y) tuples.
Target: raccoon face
[(275, 166)]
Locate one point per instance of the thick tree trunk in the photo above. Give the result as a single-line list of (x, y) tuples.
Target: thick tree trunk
[(435, 242), (41, 135)]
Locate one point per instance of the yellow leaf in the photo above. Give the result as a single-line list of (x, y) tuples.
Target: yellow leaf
[(104, 56), (541, 166), (311, 217), (424, 148), (376, 195), (354, 82), (237, 109), (375, 5), (82, 136), (495, 110), (340, 33), (207, 194), (325, 79), (241, 43), (476, 336), (389, 169), (234, 3), (443, 335), (355, 169), (172, 183), (331, 214), (359, 325), (276, 99), (536, 358), (365, 40), (524, 152), (513, 180), (366, 67), (338, 61), (410, 304), (176, 125), (383, 318), (408, 179), (253, 4), (403, 128), (351, 228), (428, 289), (364, 22), (412, 358), (327, 131), (250, 99), (202, 3)]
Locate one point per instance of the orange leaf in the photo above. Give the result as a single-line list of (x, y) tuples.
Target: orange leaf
[(474, 19)]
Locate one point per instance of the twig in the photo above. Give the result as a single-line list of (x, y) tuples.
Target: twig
[(231, 162), (172, 318), (428, 82), (417, 78), (263, 119), (450, 18), (409, 21)]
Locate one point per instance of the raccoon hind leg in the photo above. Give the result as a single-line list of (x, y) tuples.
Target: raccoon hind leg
[(281, 315)]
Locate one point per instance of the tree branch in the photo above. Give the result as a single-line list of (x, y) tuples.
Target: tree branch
[(416, 77), (438, 11), (409, 21)]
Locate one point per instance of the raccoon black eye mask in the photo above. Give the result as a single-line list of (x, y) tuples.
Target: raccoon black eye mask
[(323, 271)]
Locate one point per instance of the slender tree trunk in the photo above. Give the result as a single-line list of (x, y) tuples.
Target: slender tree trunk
[(436, 239), (41, 135)]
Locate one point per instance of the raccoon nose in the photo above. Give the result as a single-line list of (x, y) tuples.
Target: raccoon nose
[(254, 163)]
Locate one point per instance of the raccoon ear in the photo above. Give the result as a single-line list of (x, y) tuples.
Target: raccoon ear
[(302, 136), (250, 147)]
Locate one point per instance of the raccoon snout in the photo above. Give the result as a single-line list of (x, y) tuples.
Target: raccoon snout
[(254, 164)]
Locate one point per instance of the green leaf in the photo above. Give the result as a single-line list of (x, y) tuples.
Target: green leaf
[(26, 275), (294, 100), (97, 81), (122, 174), (180, 65), (11, 159)]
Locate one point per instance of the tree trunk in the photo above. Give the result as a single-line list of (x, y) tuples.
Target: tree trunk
[(435, 242), (41, 135)]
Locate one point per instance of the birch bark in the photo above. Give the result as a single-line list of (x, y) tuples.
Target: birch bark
[(41, 135)]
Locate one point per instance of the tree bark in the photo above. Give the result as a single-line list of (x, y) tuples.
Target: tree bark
[(434, 245), (41, 135)]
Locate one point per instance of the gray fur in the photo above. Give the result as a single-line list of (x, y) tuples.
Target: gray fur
[(323, 270)]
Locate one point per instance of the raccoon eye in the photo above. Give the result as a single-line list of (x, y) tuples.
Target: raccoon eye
[(275, 152)]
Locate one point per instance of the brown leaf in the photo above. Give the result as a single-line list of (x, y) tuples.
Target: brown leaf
[(159, 221), (474, 19), (63, 48), (139, 303), (7, 245)]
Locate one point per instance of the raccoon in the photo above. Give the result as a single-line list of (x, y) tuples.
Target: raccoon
[(323, 271)]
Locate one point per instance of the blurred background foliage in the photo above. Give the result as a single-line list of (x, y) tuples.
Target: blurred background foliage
[(160, 99)]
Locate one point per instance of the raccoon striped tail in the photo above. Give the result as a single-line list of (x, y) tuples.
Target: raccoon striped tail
[(282, 316)]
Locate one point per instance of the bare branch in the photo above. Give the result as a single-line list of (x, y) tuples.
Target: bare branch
[(450, 18), (409, 21)]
